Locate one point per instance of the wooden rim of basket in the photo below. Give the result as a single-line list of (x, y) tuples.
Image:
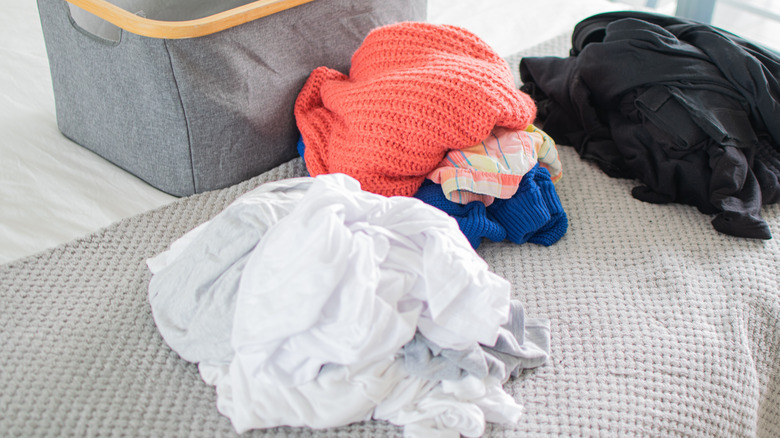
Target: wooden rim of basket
[(184, 29)]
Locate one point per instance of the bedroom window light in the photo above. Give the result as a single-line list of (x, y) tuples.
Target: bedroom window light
[(755, 20)]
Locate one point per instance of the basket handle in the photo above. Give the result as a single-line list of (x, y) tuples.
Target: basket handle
[(184, 29)]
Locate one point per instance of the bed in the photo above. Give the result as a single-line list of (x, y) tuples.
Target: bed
[(660, 326)]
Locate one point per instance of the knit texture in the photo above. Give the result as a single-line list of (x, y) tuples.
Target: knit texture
[(471, 218), (524, 213), (414, 91), (533, 214), (556, 226)]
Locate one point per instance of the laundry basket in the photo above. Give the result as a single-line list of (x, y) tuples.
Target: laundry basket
[(197, 95)]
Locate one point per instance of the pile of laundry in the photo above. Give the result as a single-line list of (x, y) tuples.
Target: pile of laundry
[(691, 111), (311, 302), (356, 293), (432, 111)]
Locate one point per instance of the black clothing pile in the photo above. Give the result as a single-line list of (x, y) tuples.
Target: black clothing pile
[(690, 110)]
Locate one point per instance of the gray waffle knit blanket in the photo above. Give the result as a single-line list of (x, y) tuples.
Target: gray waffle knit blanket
[(660, 326)]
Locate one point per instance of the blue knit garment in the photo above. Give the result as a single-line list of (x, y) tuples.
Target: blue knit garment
[(558, 224), (472, 217), (534, 214), (301, 147)]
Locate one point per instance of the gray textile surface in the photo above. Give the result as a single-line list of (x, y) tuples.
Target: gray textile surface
[(660, 326), (197, 114), (518, 347)]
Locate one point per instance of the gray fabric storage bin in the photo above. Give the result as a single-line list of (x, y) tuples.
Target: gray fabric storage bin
[(197, 114)]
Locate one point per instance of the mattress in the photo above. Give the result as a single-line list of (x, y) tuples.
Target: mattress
[(659, 327)]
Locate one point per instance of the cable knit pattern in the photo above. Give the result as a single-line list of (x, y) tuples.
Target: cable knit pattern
[(414, 91)]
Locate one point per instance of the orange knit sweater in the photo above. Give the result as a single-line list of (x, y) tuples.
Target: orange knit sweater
[(414, 92)]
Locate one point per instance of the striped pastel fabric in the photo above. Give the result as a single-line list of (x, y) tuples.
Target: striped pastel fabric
[(491, 169), (547, 153)]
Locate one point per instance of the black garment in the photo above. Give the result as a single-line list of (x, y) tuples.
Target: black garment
[(690, 110)]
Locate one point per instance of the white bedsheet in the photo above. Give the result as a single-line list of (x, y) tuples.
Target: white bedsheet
[(54, 191)]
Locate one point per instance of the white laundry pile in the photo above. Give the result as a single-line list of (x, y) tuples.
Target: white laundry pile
[(309, 302)]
